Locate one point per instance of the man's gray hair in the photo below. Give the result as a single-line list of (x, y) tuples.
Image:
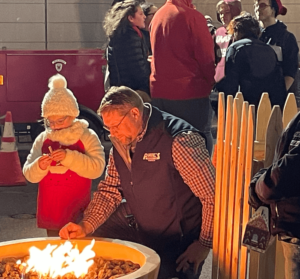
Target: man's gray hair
[(120, 98)]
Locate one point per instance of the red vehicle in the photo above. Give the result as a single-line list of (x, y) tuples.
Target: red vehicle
[(25, 79)]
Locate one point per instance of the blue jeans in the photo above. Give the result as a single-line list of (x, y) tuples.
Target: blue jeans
[(292, 260), (197, 112)]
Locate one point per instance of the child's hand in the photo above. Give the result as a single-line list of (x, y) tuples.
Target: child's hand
[(44, 161), (58, 155)]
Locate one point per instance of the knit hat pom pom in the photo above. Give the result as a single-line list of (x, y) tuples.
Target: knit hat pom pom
[(57, 81)]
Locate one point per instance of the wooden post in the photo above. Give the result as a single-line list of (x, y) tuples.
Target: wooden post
[(290, 109), (217, 213), (225, 186), (239, 193)]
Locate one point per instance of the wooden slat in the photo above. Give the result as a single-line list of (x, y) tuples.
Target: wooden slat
[(290, 109), (225, 183), (232, 186), (248, 176), (263, 115), (239, 192), (220, 150), (273, 133)]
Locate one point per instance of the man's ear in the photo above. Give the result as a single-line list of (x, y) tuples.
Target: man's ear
[(135, 112)]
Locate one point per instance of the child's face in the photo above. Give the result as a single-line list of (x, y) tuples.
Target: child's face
[(58, 122)]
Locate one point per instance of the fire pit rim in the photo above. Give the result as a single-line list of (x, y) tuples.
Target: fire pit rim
[(152, 262)]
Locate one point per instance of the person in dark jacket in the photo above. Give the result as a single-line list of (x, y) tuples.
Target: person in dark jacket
[(163, 169), (127, 51), (279, 188), (275, 34), (251, 65)]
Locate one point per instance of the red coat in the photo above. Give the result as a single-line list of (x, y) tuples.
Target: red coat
[(62, 198), (182, 66)]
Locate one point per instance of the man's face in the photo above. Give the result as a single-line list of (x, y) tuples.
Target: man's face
[(225, 14), (124, 127), (263, 10)]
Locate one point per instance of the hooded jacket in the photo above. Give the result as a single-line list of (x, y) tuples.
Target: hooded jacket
[(182, 66), (279, 185), (277, 35)]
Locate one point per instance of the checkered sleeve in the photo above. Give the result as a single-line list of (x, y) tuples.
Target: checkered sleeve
[(106, 199), (192, 160)]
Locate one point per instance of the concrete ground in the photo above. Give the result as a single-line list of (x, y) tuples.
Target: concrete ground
[(18, 209)]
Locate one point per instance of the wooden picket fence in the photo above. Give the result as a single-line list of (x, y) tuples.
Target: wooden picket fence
[(241, 151)]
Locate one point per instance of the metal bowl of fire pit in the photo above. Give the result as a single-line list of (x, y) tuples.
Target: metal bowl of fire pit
[(143, 256)]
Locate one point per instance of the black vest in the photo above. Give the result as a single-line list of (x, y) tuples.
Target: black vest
[(163, 205)]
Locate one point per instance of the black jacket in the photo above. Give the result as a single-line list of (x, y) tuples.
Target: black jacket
[(278, 35), (127, 60), (252, 68), (279, 185)]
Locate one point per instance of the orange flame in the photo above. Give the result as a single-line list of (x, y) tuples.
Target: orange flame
[(56, 261)]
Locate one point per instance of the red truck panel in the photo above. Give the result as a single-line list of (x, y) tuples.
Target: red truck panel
[(26, 75)]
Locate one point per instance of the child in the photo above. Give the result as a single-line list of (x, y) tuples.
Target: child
[(63, 159)]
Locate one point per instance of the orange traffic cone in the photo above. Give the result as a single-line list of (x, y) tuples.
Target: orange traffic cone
[(10, 166)]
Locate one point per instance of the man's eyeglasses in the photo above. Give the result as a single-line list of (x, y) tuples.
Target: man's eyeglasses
[(57, 122), (115, 126), (261, 6)]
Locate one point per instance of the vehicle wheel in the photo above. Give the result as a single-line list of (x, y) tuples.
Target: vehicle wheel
[(96, 127)]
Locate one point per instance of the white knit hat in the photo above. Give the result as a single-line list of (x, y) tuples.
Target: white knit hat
[(59, 100)]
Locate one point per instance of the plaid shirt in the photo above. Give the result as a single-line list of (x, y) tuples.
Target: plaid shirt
[(192, 161)]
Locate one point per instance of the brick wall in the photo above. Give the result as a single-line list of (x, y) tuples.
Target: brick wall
[(73, 24)]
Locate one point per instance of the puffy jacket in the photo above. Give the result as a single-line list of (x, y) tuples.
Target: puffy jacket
[(182, 66), (279, 185), (127, 60)]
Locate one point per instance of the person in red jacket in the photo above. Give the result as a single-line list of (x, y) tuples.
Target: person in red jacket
[(182, 66), (63, 160)]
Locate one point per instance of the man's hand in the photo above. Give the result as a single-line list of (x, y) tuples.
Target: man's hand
[(72, 230), (195, 253), (44, 161)]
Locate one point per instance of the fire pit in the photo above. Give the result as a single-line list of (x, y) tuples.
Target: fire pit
[(146, 258)]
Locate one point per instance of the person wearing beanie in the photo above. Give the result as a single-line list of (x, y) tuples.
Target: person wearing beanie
[(63, 160), (276, 35)]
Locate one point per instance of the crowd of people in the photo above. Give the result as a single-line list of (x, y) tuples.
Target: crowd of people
[(165, 69)]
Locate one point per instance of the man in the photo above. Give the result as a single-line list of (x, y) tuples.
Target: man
[(275, 34), (182, 66), (279, 188), (251, 65), (163, 169)]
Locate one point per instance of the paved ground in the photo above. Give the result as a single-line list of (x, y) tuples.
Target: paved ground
[(18, 209)]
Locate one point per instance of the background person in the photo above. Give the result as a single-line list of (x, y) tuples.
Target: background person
[(160, 164), (251, 65), (275, 34), (149, 11), (182, 66), (278, 187), (65, 174), (127, 50)]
